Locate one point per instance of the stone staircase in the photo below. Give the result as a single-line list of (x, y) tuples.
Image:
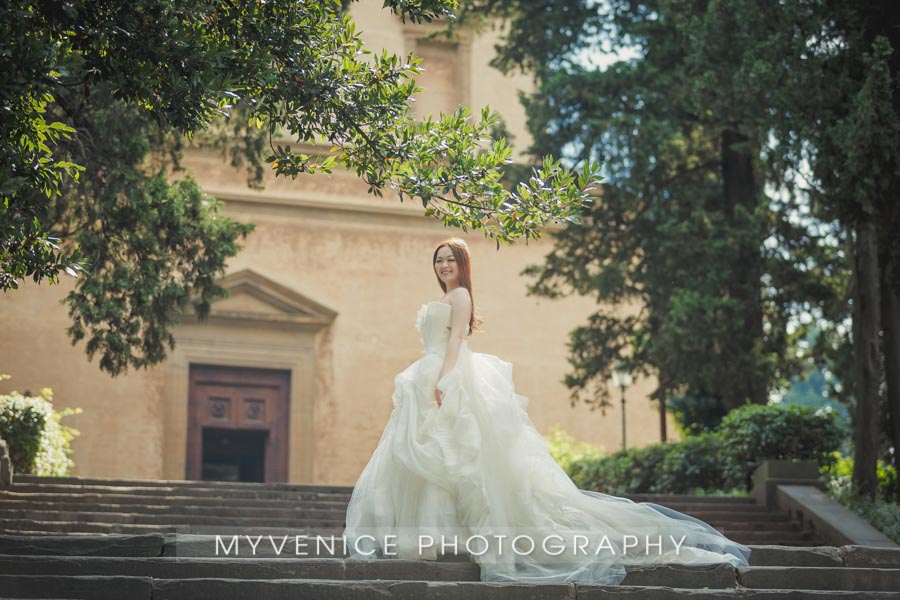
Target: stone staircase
[(69, 538)]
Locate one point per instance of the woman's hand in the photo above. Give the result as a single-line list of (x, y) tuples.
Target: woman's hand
[(438, 396)]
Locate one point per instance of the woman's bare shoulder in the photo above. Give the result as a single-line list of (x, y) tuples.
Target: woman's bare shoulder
[(460, 293)]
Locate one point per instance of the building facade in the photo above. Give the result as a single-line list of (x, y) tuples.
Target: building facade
[(291, 377)]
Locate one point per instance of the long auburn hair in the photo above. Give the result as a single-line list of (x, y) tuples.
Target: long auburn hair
[(460, 251)]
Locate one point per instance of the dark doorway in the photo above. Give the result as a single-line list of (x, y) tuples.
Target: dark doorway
[(234, 455), (238, 424)]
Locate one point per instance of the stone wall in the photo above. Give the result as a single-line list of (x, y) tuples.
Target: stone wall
[(325, 242)]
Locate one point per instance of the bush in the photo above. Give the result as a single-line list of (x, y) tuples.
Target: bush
[(713, 461), (755, 433), (571, 455), (38, 443), (839, 474), (629, 471), (690, 464), (882, 514)]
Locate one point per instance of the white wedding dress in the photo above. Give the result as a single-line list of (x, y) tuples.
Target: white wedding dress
[(475, 470)]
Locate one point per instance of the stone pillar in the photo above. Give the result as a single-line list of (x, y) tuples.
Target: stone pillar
[(773, 472)]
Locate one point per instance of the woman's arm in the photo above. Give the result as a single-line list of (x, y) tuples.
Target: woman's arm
[(460, 312)]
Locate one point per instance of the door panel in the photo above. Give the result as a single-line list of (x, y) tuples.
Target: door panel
[(238, 399)]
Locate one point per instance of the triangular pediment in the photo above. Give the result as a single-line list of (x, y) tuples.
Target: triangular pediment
[(254, 297)]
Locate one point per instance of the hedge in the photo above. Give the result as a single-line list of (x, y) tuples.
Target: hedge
[(720, 460), (38, 443)]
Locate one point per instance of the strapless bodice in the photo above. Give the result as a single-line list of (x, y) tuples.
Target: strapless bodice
[(433, 324)]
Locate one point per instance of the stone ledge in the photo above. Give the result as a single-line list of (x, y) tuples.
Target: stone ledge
[(772, 473), (828, 519)]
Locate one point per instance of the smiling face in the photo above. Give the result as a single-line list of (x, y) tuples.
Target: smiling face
[(446, 267)]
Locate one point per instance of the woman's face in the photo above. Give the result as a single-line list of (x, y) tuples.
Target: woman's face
[(446, 268)]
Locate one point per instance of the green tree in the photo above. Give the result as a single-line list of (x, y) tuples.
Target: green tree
[(801, 96), (686, 227), (849, 134), (97, 98)]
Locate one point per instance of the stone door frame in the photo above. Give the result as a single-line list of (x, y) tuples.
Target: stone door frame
[(275, 421), (279, 331)]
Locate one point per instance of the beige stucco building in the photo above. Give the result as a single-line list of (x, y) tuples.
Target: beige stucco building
[(299, 362)]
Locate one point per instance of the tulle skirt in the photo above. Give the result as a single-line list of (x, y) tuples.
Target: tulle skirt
[(475, 477)]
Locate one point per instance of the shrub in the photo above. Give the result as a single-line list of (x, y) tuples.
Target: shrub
[(882, 514), (629, 471), (754, 433), (38, 443), (713, 462), (571, 455), (839, 473), (672, 468), (690, 464)]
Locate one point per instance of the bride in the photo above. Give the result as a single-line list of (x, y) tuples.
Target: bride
[(461, 469)]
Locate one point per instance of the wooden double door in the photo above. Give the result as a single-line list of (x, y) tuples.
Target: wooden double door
[(238, 424)]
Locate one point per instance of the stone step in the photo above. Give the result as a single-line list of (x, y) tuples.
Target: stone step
[(686, 576), (767, 537), (314, 501), (10, 526), (145, 588), (188, 514), (151, 544), (183, 483), (165, 492), (771, 555), (82, 588), (68, 527), (191, 545), (173, 520), (734, 515), (81, 481), (821, 578), (688, 498), (93, 498), (717, 508), (760, 525), (871, 556), (244, 568), (710, 576), (298, 511)]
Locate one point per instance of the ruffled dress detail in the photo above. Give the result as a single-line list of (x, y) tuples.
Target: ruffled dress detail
[(475, 471)]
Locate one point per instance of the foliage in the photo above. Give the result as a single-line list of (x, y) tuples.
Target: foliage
[(98, 98), (838, 473), (567, 452), (717, 461), (629, 471), (696, 413), (687, 228), (789, 112), (688, 466), (692, 463), (753, 433), (883, 511), (38, 442), (815, 391)]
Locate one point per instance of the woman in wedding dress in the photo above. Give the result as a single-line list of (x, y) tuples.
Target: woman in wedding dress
[(461, 469)]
